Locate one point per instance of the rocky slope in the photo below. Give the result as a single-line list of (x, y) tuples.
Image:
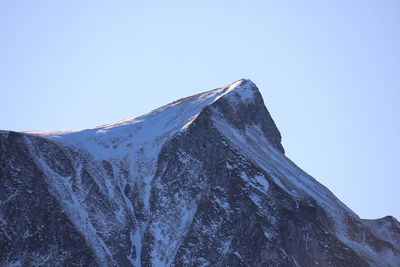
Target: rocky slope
[(202, 181)]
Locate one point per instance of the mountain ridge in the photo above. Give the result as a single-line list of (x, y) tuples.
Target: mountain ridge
[(238, 92), (201, 181)]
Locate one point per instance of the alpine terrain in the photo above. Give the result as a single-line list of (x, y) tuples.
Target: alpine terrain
[(203, 181)]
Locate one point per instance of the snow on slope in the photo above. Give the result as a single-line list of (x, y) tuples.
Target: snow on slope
[(287, 175), (140, 139), (387, 228), (149, 131), (135, 144)]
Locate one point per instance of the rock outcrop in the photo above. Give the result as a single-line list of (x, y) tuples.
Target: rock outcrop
[(203, 181)]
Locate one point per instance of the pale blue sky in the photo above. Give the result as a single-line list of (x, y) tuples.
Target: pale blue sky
[(329, 72)]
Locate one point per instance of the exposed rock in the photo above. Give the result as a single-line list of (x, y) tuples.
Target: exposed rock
[(202, 181)]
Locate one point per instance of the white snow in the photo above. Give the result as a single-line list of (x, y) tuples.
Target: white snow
[(268, 235), (293, 180), (295, 262), (258, 182), (203, 262), (76, 212), (134, 144), (136, 241), (256, 200), (241, 90), (229, 166), (222, 204), (263, 182)]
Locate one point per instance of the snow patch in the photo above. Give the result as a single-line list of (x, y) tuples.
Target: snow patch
[(229, 166), (258, 182), (239, 91)]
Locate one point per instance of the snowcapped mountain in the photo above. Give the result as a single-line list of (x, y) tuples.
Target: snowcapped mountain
[(202, 181)]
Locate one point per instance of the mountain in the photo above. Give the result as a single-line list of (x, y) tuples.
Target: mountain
[(202, 181)]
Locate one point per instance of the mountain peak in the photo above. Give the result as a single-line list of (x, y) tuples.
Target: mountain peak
[(240, 103), (202, 181), (242, 90)]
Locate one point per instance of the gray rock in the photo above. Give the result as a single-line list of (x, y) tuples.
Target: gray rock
[(202, 181)]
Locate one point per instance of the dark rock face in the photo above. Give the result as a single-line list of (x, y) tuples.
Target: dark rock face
[(242, 113), (34, 229), (200, 182), (387, 229)]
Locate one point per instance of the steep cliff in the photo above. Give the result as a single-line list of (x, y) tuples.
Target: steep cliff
[(203, 181)]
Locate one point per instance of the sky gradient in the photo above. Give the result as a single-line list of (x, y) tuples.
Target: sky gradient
[(329, 72)]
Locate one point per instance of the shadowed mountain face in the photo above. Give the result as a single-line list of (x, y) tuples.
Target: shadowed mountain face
[(202, 181)]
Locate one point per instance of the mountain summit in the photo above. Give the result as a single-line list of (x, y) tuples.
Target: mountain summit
[(202, 181)]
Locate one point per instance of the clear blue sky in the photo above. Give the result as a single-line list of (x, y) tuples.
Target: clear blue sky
[(329, 72)]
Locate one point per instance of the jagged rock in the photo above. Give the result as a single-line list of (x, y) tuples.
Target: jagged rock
[(202, 181)]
